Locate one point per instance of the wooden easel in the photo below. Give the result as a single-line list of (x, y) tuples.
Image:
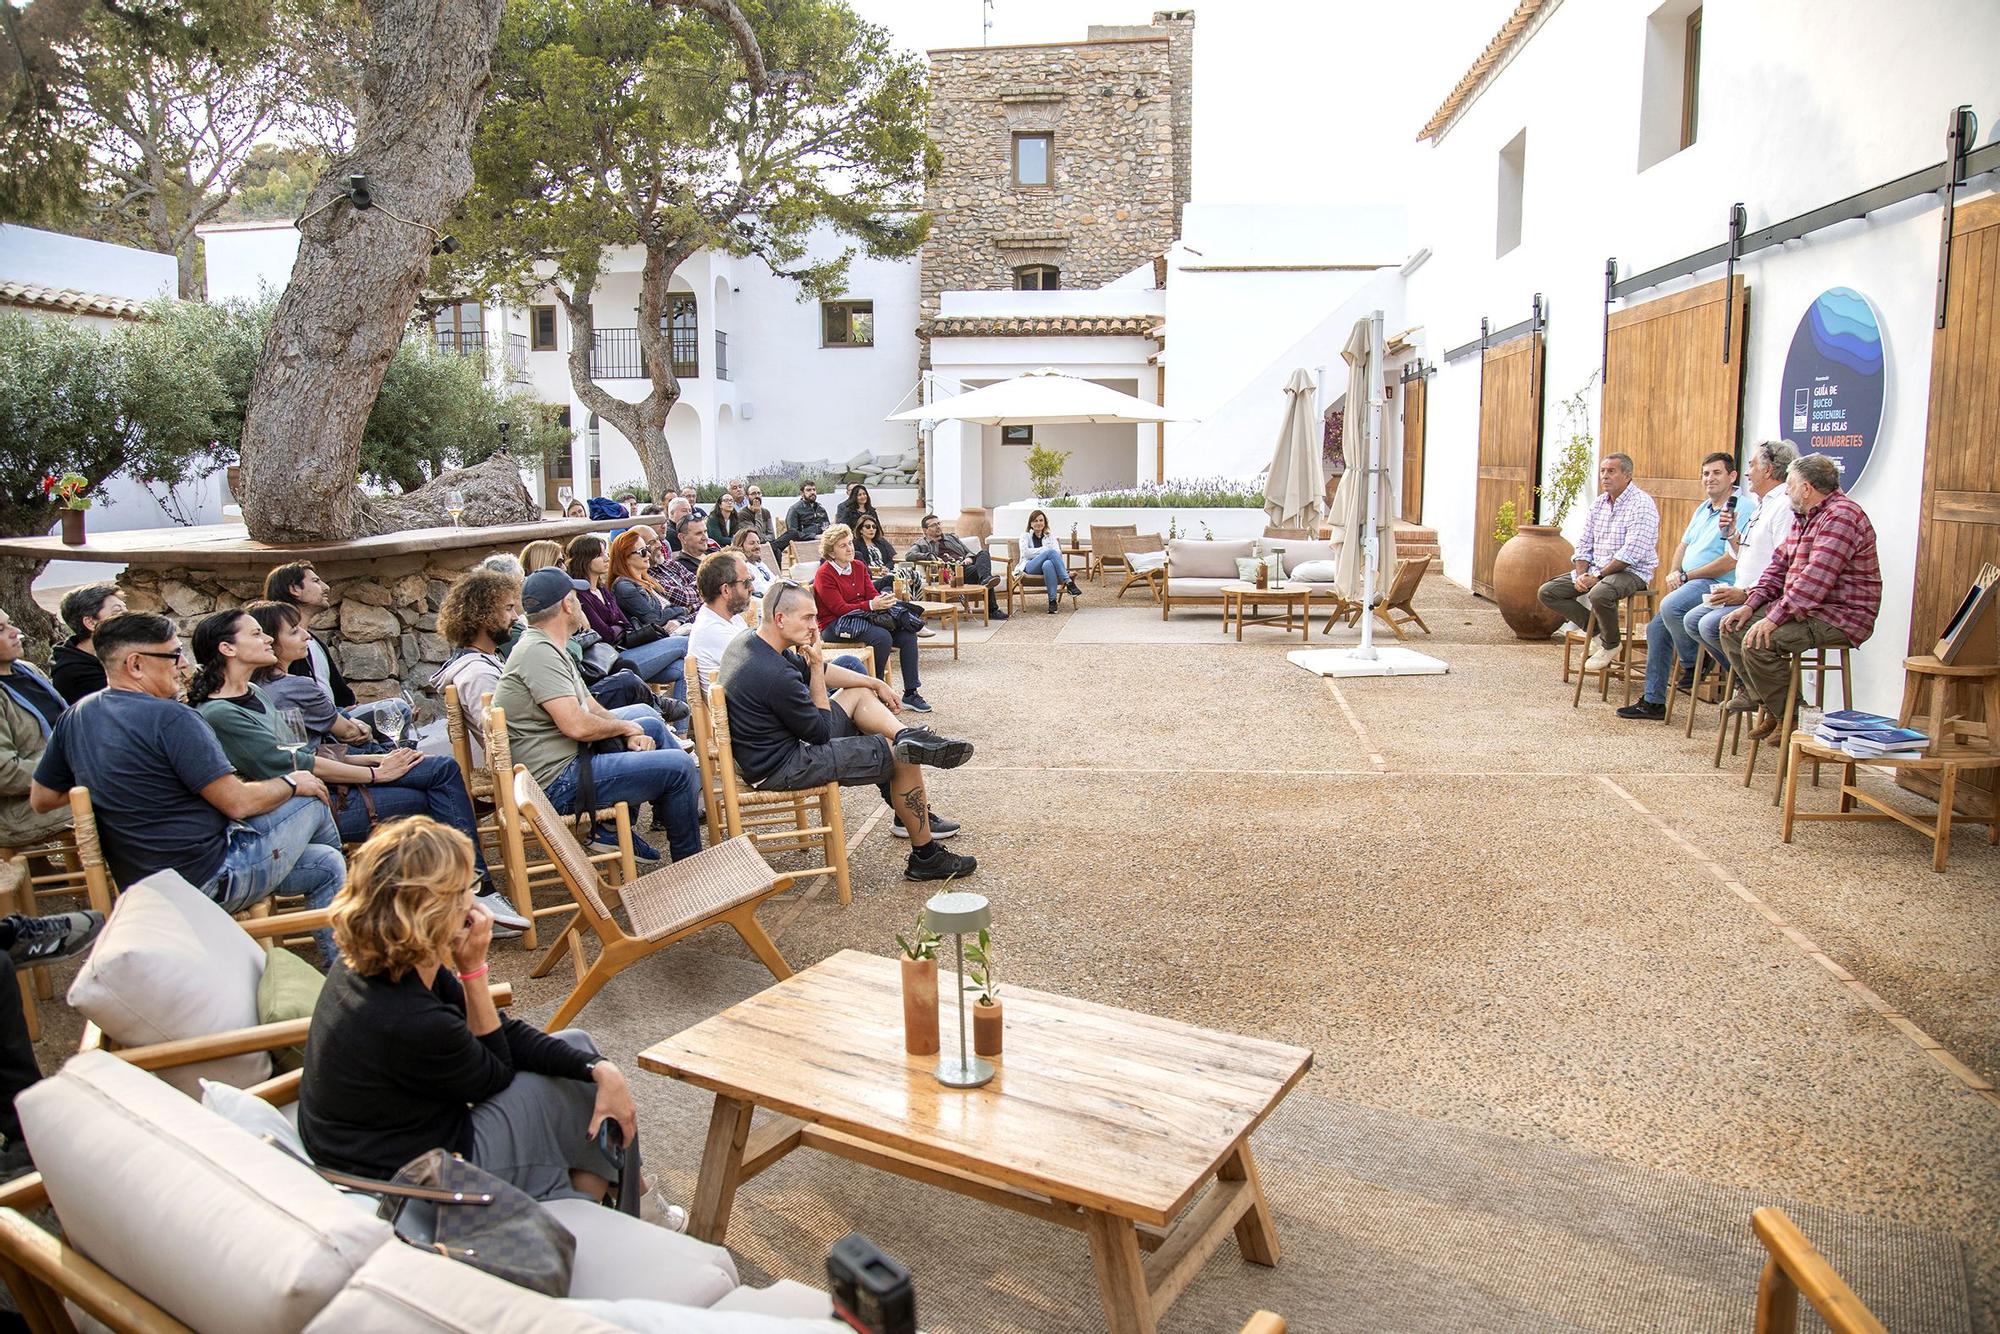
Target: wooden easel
[(1972, 636)]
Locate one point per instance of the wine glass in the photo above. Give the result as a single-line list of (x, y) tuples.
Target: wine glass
[(564, 494), (292, 734), (389, 717), (454, 504)]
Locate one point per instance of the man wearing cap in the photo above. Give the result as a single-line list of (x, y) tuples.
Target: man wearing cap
[(558, 731)]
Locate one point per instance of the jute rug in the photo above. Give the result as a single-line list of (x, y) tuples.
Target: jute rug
[(1388, 1221)]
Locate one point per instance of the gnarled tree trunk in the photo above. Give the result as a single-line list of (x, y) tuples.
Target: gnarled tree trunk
[(644, 423), (359, 272)]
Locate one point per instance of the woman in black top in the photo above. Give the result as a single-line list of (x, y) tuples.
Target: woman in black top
[(858, 503), (872, 547), (407, 1052)]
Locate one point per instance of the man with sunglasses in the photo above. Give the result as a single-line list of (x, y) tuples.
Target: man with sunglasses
[(167, 798), (797, 721)]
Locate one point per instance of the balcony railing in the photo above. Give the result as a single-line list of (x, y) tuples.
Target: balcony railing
[(512, 348), (615, 354), (721, 355)]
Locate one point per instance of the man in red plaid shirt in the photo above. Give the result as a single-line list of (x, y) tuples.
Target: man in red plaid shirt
[(1821, 590)]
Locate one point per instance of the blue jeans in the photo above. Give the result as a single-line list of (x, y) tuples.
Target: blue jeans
[(665, 776), (294, 849), (433, 787), (1047, 562), (880, 641), (1706, 623), (1668, 640), (660, 662)]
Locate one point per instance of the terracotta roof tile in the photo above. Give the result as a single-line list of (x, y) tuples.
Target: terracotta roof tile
[(1026, 326), (1496, 50), (70, 301)]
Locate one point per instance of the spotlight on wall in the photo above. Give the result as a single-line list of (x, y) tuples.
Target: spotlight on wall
[(358, 193), (445, 245)]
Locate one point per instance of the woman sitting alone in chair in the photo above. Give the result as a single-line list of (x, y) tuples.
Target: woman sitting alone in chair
[(408, 1054), (851, 608), (1041, 553)]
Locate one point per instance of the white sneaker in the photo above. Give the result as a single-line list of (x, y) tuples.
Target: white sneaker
[(505, 915), (926, 632), (657, 1210), (1601, 659), (1590, 649)]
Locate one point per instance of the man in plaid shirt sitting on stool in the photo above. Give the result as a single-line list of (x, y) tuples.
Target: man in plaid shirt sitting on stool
[(1615, 559), (1821, 590)]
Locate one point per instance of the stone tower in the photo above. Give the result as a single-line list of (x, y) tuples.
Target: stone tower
[(1099, 191)]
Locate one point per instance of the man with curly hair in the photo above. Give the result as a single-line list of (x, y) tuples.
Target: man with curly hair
[(477, 616)]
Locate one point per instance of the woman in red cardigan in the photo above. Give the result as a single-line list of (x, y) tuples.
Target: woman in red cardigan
[(845, 591)]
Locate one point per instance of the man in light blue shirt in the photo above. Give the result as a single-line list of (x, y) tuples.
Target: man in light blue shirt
[(1701, 561)]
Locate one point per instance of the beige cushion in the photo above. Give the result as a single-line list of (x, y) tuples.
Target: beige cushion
[(787, 1313), (225, 1233), (619, 1256), (1198, 559), (171, 964), (1138, 561), (1180, 587), (402, 1290), (1317, 572), (784, 1298), (1299, 551)]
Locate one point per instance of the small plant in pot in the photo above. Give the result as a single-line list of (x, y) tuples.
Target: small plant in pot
[(986, 1012), (1045, 469), (1532, 554), (920, 990)]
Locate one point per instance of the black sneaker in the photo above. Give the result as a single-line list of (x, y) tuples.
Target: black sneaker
[(1687, 680), (672, 710), (1071, 589), (997, 614), (933, 862), (58, 936), (1053, 604), (920, 745), (916, 703), (1644, 709), (940, 827)]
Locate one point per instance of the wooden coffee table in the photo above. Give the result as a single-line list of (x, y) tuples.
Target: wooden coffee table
[(962, 594), (942, 611), (1100, 1120), (1237, 594)]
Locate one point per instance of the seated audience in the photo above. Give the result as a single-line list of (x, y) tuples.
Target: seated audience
[(299, 584), (788, 732), (29, 711), (644, 602), (477, 616), (1822, 589), (1753, 541), (1041, 553), (555, 728), (972, 567), (721, 525), (676, 577), (504, 563), (725, 586), (649, 648), (1615, 559), (230, 650), (873, 548), (576, 509), (752, 515), (805, 520), (408, 1053), (858, 503), (73, 668), (1702, 560), (688, 494), (852, 608), (678, 512), (166, 796), (751, 544), (736, 491), (324, 722), (540, 554)]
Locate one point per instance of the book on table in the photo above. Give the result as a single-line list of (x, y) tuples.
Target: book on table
[(1842, 722), (1894, 743)]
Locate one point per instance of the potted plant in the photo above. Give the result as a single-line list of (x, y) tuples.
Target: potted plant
[(1532, 554), (920, 990), (1045, 467), (72, 493), (986, 1013)]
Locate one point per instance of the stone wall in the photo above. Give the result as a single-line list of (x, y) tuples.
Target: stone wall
[(1119, 117), (380, 624)]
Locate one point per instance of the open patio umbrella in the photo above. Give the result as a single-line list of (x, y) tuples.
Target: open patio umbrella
[(1042, 397), (1351, 502), (1295, 491)]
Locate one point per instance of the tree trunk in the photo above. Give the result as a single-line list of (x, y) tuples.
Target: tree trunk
[(643, 423), (359, 272), (39, 630)]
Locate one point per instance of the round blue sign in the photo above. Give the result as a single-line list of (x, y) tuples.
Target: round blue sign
[(1835, 380)]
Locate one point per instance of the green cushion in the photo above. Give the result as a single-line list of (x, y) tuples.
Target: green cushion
[(1246, 568), (289, 990)]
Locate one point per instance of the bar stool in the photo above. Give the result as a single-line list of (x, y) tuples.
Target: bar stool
[(1632, 633), (1702, 657), (1821, 667)]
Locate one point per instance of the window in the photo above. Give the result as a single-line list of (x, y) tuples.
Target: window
[(1034, 157), (847, 323), (1037, 278), (1670, 82), (681, 326), (1513, 176), (1017, 435), (596, 440), (457, 327), (542, 328), (1691, 80)]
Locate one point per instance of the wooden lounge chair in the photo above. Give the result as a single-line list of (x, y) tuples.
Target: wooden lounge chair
[(1020, 586), (1134, 544), (1105, 548), (748, 811), (1797, 1268), (1396, 607), (719, 886)]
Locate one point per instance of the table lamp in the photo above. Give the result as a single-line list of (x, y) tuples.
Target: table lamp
[(954, 915)]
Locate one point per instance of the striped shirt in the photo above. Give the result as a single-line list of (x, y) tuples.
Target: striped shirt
[(1626, 529), (1825, 569)]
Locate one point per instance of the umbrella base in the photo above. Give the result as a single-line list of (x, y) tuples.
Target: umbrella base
[(1386, 662)]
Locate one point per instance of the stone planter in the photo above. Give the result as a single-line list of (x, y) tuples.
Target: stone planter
[(1531, 557), (920, 1006), (987, 1022)]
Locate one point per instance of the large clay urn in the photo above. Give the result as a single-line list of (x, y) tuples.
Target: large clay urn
[(1531, 557), (974, 521)]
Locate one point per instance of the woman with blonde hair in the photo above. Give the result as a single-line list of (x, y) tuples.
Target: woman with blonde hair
[(407, 1052), (540, 554)]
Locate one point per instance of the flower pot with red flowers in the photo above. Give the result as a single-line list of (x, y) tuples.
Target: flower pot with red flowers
[(72, 493)]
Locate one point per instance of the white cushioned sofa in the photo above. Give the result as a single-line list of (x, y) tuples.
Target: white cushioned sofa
[(1197, 569), (175, 1217)]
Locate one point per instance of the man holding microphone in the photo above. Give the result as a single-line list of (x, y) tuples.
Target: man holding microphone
[(1702, 561), (1752, 538)]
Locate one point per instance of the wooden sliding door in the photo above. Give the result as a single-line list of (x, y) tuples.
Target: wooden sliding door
[(1510, 445), (1414, 399)]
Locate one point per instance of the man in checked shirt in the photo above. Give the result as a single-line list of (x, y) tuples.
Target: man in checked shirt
[(1616, 558), (1821, 589)]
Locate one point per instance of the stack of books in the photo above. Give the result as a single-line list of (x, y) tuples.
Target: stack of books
[(1870, 736)]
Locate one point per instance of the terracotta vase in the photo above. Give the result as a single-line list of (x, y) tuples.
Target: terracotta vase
[(72, 528), (986, 1027), (1530, 558), (974, 522), (920, 1006)]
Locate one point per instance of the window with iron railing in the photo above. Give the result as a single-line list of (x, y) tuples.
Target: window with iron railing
[(615, 353)]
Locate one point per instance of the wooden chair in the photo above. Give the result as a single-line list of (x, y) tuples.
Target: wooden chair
[(524, 877), (1134, 544), (17, 895), (1264, 1322), (478, 781), (1396, 609), (61, 873), (1780, 740), (744, 809), (1719, 683), (1630, 663), (718, 886), (1110, 554), (800, 815), (1021, 586), (1796, 1268)]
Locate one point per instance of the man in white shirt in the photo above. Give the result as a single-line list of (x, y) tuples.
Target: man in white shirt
[(1753, 546), (723, 581)]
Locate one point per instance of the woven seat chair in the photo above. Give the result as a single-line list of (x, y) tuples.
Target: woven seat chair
[(747, 811), (61, 875), (1125, 544), (1021, 586), (478, 781), (718, 886), (1106, 548), (798, 814)]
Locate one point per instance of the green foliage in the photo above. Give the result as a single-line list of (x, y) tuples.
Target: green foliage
[(979, 968), (1045, 467), (785, 479), (921, 943), (1198, 493), (1505, 524), (274, 184), (1574, 464)]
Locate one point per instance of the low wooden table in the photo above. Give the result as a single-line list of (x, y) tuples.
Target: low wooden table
[(946, 612), (962, 594), (1101, 1120), (1944, 762), (1237, 594)]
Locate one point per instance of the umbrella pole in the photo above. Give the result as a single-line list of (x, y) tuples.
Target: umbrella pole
[(1371, 552)]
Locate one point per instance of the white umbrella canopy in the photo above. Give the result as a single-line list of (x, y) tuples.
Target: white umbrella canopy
[(1350, 502), (1042, 397), (1295, 492)]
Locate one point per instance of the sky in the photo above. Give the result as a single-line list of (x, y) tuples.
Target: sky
[(1277, 82)]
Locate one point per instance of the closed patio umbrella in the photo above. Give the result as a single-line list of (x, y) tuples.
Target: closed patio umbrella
[(1295, 491)]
